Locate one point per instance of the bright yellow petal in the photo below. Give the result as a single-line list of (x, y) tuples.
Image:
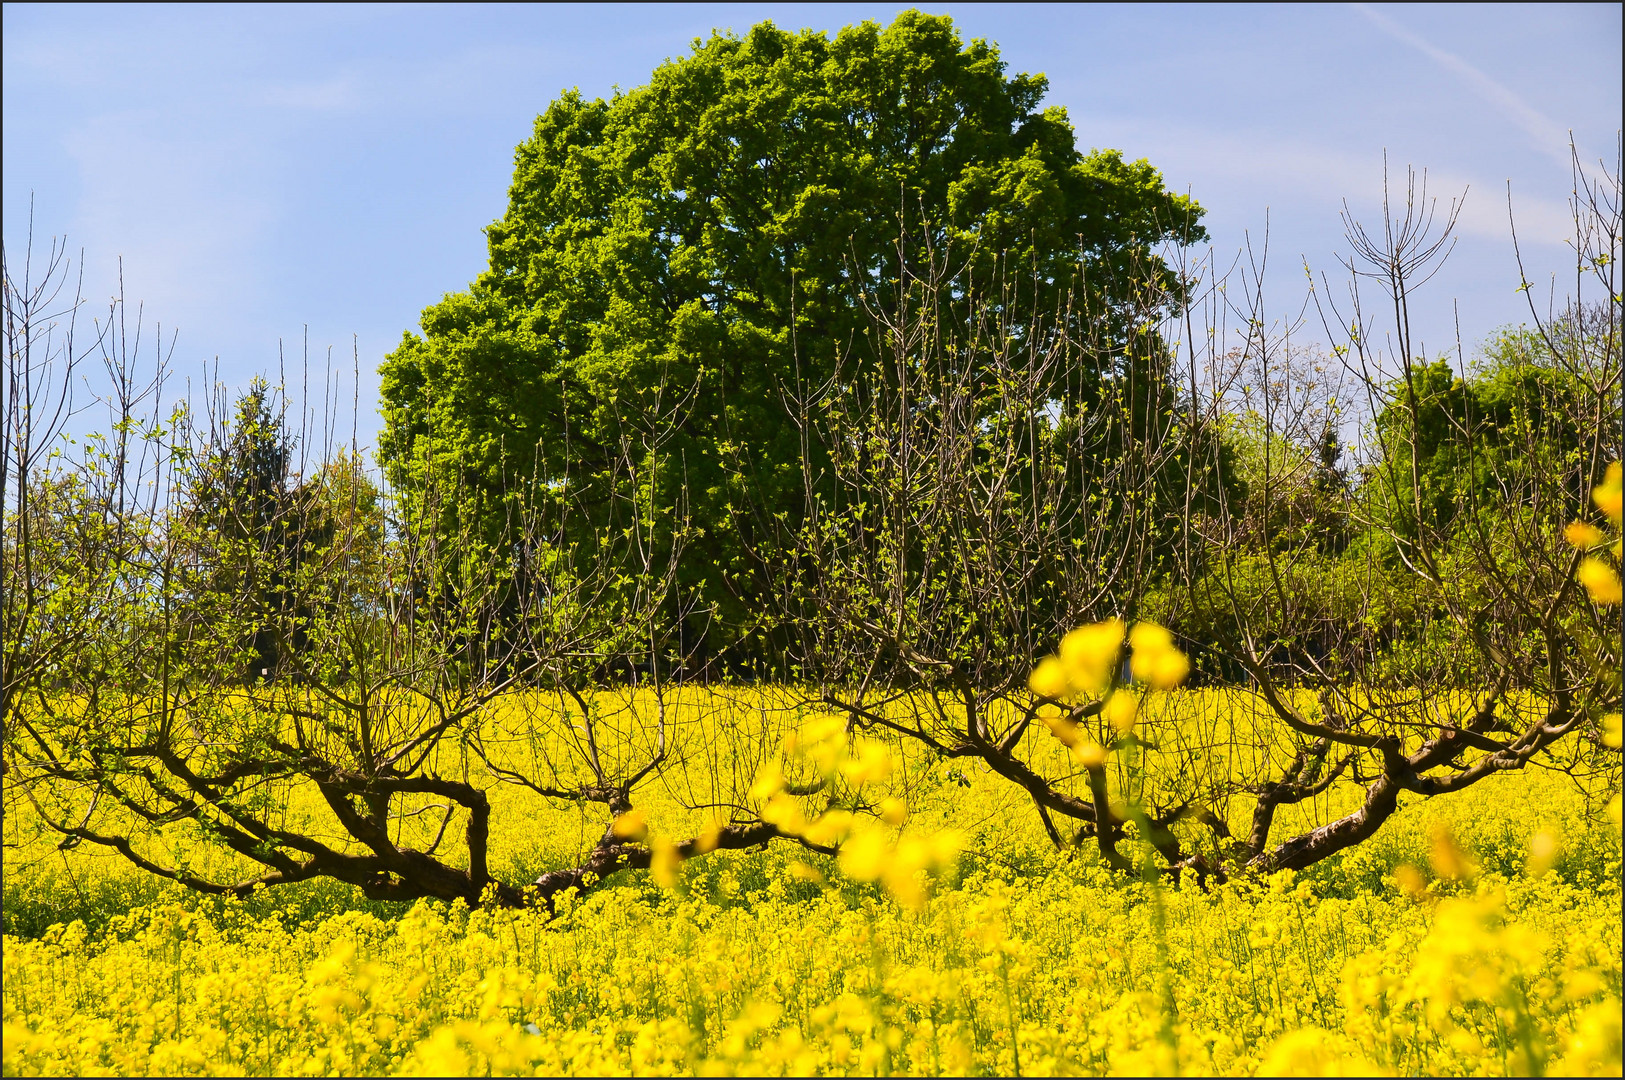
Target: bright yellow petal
[(1583, 535), (783, 812), (1600, 581), (863, 856), (710, 835), (1049, 679), (632, 825), (1090, 654), (802, 872), (1063, 729), (1607, 495), (829, 828), (1169, 670), (867, 761), (1120, 710), (769, 781), (664, 863), (1153, 646), (1090, 755)]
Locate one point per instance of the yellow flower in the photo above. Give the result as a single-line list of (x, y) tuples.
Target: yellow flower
[(1600, 581), (784, 813), (1607, 495), (863, 856), (1410, 881), (1544, 848), (1447, 857), (1049, 679), (709, 837), (829, 828), (769, 781), (664, 862), (1594, 1048), (1089, 654), (1148, 637), (802, 872), (1063, 729), (946, 844), (1610, 730), (1091, 755), (1155, 660), (1315, 1052), (632, 825), (911, 858), (823, 739), (868, 761), (903, 871), (1120, 710), (892, 811), (1583, 535)]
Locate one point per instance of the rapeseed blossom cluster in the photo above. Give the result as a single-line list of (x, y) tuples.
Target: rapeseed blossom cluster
[(849, 818), (1036, 974), (1088, 666)]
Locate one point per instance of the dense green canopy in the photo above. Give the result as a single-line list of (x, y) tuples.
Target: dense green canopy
[(676, 258)]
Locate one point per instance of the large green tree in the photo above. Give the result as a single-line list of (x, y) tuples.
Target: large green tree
[(679, 262)]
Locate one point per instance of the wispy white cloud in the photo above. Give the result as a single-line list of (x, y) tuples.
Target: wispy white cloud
[(1547, 135), (1311, 174), (1481, 206)]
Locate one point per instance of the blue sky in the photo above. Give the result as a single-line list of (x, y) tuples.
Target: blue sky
[(261, 169)]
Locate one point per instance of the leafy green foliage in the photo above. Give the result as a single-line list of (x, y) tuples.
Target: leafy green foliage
[(267, 536), (1516, 410), (693, 254), (1477, 472)]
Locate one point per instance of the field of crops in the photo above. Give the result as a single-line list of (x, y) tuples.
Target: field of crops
[(1477, 935)]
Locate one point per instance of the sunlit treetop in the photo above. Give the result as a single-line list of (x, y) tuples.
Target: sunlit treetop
[(697, 246)]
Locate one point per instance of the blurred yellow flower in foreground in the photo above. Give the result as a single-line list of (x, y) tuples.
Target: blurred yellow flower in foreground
[(769, 781), (1600, 580), (1583, 534), (1156, 661), (1544, 848), (1088, 659), (1314, 1052), (1448, 859), (1120, 709), (664, 862), (1607, 494), (867, 762), (632, 825), (1063, 728), (892, 811), (1091, 755), (829, 828), (1089, 655), (709, 837), (863, 856), (1049, 679)]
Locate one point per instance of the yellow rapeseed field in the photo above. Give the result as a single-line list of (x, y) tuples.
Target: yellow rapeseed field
[(1473, 935)]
